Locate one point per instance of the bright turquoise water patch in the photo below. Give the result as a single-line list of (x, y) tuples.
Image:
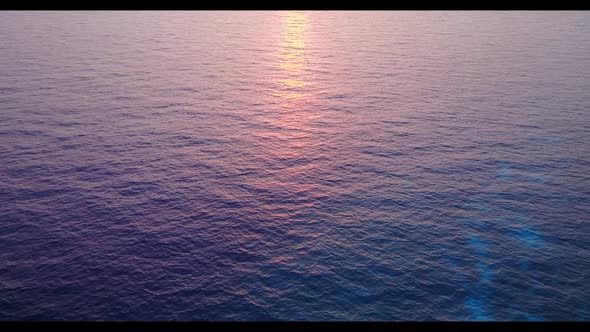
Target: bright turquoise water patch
[(477, 310), (534, 318), (479, 245), (528, 236)]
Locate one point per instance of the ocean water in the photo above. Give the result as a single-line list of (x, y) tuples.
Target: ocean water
[(295, 166)]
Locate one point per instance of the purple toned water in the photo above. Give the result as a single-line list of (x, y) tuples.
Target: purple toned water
[(294, 165)]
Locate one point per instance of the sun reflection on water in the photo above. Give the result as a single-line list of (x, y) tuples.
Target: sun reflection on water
[(288, 140), (291, 58)]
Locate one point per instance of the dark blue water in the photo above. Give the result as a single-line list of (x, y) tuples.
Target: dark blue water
[(294, 166)]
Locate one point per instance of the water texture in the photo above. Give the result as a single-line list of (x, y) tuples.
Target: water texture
[(294, 166)]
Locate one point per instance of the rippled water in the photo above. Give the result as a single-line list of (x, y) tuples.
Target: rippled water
[(294, 165)]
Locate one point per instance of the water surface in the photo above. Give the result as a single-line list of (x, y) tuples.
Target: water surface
[(294, 165)]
